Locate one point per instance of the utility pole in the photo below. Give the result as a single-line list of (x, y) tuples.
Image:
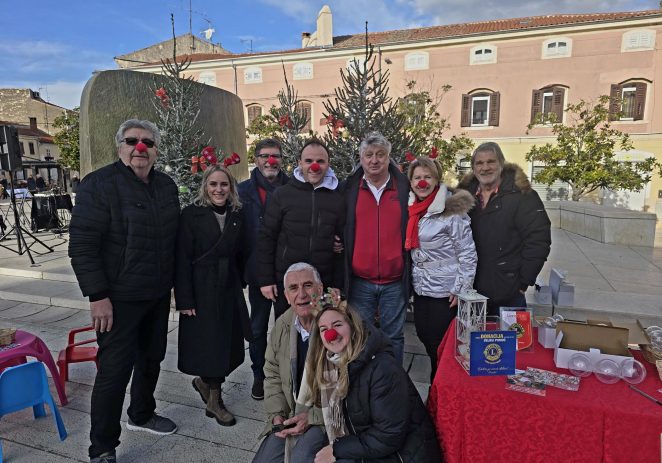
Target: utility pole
[(190, 24)]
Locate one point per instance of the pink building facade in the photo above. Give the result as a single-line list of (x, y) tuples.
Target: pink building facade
[(501, 74)]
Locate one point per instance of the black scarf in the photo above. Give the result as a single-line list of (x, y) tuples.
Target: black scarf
[(262, 182)]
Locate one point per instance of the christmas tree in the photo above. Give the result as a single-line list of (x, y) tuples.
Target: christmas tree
[(360, 106), (177, 104)]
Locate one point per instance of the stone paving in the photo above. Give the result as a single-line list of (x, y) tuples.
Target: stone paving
[(620, 282)]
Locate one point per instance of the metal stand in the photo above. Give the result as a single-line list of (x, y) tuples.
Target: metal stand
[(20, 231)]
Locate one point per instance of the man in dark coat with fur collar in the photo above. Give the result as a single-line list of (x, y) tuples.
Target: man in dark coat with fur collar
[(510, 228)]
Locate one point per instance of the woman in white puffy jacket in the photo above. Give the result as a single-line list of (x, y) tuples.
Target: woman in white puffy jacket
[(443, 253)]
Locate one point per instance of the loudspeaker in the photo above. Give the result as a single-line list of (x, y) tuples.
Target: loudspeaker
[(10, 151)]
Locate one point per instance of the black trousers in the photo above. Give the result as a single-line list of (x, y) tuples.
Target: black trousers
[(431, 318), (281, 305), (136, 343)]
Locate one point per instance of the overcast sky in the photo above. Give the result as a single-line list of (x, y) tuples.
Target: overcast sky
[(53, 47)]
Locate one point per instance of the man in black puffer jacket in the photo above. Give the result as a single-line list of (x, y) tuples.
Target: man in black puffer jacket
[(122, 249), (300, 225), (510, 228)]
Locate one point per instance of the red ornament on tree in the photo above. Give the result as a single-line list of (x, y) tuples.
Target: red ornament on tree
[(409, 157), (209, 155), (433, 153), (232, 160), (285, 120), (162, 94)]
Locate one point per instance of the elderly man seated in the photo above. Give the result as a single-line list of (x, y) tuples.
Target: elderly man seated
[(291, 437)]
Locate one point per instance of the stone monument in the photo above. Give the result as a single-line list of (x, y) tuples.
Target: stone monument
[(111, 97)]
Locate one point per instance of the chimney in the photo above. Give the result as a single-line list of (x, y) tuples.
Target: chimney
[(324, 31), (33, 123), (305, 39)]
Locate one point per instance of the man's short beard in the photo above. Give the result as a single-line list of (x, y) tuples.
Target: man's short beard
[(269, 175)]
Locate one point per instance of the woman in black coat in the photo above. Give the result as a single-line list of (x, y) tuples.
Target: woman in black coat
[(213, 318), (372, 411)]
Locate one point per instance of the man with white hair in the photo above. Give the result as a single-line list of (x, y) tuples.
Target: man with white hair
[(377, 270), (285, 361)]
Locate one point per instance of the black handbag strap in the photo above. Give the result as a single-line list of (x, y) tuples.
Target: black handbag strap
[(209, 251)]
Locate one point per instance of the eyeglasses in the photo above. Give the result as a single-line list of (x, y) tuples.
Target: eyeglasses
[(267, 156), (132, 141)]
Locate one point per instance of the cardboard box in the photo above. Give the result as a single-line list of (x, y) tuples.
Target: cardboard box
[(598, 341)]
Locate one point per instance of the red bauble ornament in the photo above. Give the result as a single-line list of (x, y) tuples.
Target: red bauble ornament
[(315, 167), (141, 147), (330, 335), (409, 157), (433, 153)]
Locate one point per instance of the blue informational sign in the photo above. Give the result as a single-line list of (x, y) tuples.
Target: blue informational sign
[(493, 353)]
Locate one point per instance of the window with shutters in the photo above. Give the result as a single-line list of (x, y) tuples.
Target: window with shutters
[(253, 111), (483, 54), (306, 109), (480, 109), (416, 61), (252, 75), (639, 40), (302, 71), (207, 77), (556, 48), (628, 101), (547, 105)]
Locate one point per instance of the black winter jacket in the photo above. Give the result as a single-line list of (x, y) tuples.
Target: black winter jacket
[(209, 279), (350, 191), (384, 414), (253, 216), (299, 226), (512, 236), (122, 234)]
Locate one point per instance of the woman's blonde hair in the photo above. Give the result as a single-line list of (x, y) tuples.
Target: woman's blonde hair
[(203, 199), (426, 163), (316, 359)]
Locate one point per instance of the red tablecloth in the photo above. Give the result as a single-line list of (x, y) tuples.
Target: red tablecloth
[(477, 419)]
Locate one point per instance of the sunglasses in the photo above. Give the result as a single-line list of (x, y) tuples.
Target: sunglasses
[(132, 141)]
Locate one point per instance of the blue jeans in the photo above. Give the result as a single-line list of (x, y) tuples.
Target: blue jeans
[(260, 311), (389, 301)]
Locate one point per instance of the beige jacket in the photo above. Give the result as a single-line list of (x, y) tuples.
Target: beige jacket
[(280, 373)]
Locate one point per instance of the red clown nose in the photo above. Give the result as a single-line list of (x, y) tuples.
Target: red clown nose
[(315, 167), (141, 147), (422, 184), (272, 161), (330, 335)]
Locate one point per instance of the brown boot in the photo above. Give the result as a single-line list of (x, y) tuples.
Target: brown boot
[(202, 388), (216, 409)]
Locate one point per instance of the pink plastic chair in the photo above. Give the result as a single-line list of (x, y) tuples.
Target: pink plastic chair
[(29, 345)]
